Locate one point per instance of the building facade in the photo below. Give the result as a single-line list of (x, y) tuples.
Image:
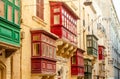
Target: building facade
[(9, 39), (59, 39)]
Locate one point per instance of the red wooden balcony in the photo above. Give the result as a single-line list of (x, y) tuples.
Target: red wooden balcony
[(43, 60), (77, 63), (63, 21), (101, 52)]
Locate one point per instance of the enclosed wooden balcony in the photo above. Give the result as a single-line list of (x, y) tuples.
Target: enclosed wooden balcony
[(43, 60), (92, 46), (88, 69), (9, 27), (77, 63), (64, 25), (101, 52)]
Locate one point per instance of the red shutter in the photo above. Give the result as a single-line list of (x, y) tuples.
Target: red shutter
[(40, 9)]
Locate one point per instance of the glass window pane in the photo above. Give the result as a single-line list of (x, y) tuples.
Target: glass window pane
[(43, 49), (73, 60), (10, 0), (56, 10), (47, 50), (17, 2), (16, 17), (36, 48), (36, 38), (50, 51), (56, 19), (9, 13), (2, 5)]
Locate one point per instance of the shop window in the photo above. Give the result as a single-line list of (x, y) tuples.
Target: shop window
[(9, 13), (36, 49), (2, 10)]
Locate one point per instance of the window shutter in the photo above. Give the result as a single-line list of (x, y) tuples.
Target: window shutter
[(40, 9)]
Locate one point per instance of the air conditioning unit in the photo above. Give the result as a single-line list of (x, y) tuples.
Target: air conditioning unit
[(87, 2)]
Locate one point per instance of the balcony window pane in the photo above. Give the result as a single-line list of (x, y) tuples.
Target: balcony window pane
[(9, 13), (56, 10), (56, 19), (54, 52), (36, 48), (43, 49), (47, 51), (50, 51), (2, 11), (16, 17), (73, 60), (17, 2), (10, 0), (36, 38), (89, 43), (63, 21)]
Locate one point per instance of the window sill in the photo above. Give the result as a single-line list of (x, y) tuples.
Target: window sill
[(39, 21)]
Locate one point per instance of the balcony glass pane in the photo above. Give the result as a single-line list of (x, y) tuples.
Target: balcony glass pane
[(10, 0), (2, 10), (89, 43), (56, 19), (50, 51), (9, 13), (43, 46), (17, 2), (63, 20), (56, 10), (73, 60), (36, 49), (36, 38), (16, 17)]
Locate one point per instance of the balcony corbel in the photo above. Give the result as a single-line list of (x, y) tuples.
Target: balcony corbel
[(61, 48), (67, 50)]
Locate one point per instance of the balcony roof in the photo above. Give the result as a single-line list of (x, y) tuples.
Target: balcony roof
[(44, 32), (60, 3)]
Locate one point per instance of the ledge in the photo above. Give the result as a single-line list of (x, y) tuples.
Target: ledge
[(39, 21)]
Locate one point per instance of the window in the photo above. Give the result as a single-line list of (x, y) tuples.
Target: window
[(40, 9), (36, 49), (56, 10), (16, 17), (17, 2), (10, 0), (2, 10), (56, 19), (73, 60), (10, 10), (9, 13)]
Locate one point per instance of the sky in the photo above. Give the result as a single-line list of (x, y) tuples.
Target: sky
[(117, 7)]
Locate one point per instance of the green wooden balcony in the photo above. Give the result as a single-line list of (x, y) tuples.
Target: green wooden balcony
[(92, 45), (9, 33)]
